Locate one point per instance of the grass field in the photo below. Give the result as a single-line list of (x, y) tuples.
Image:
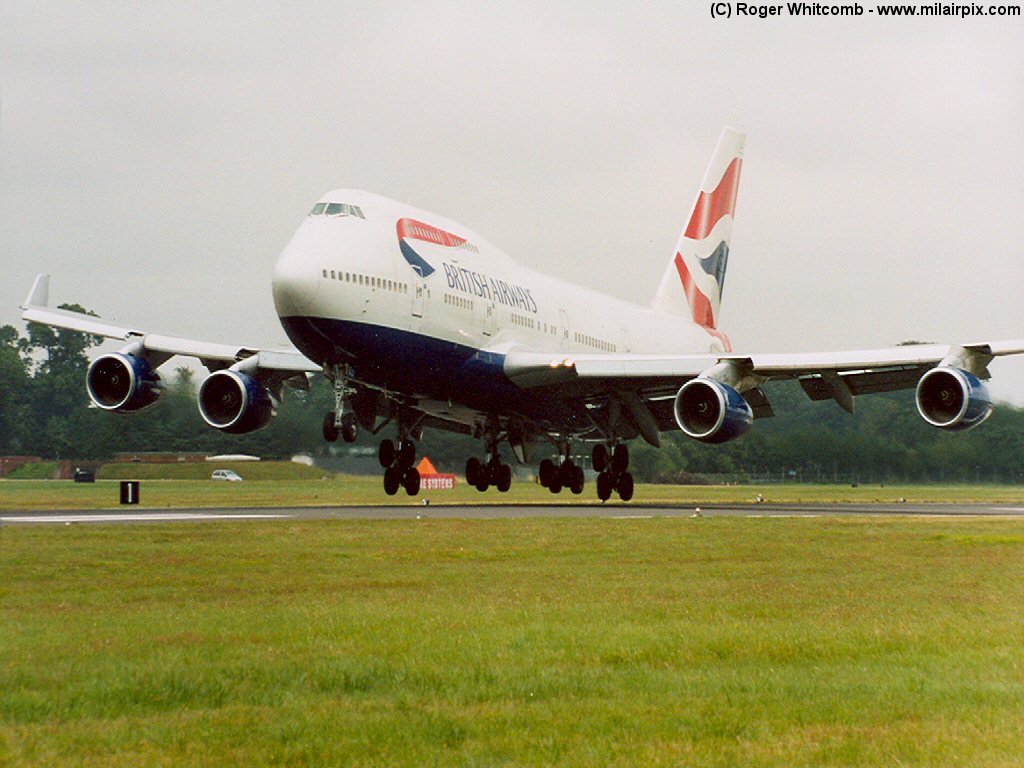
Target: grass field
[(582, 642), (304, 486)]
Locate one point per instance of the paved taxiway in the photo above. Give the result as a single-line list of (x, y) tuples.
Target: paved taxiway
[(496, 511)]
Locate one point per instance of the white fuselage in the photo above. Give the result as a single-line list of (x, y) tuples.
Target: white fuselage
[(382, 286)]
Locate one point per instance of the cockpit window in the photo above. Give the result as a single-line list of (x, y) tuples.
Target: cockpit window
[(344, 209), (337, 209)]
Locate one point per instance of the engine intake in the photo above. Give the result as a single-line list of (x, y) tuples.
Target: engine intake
[(122, 383), (235, 402), (951, 398), (712, 412)]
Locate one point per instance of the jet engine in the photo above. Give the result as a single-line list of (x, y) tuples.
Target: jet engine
[(235, 402), (712, 412), (122, 383), (951, 398)]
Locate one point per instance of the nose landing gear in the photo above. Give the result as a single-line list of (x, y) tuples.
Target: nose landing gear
[(341, 421), (345, 428)]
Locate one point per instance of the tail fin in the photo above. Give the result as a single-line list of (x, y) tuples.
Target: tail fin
[(692, 284)]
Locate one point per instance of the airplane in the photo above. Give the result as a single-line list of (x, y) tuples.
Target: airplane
[(419, 322)]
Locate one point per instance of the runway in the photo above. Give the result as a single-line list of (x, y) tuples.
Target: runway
[(499, 511)]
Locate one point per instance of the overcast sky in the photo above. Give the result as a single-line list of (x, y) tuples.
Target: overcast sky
[(156, 157)]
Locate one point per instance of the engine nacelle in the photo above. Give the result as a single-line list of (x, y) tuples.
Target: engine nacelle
[(235, 402), (951, 398), (712, 412), (122, 383)]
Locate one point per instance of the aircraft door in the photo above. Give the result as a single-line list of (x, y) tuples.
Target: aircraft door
[(419, 293), (490, 319), (563, 329)]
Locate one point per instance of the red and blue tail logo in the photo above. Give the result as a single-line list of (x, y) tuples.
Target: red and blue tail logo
[(702, 253)]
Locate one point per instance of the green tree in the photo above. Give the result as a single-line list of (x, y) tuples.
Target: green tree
[(15, 382)]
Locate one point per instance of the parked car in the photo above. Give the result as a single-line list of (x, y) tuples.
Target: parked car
[(226, 474)]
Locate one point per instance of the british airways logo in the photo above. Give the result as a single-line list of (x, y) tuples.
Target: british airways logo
[(459, 278), (411, 229), (492, 288)]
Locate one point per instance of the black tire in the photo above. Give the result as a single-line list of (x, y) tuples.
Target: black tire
[(411, 481), (625, 486), (391, 481), (620, 459), (330, 431), (547, 472), (556, 485), (567, 473), (504, 478), (578, 481), (473, 468), (349, 428), (604, 486), (386, 453), (406, 454), (482, 480), (599, 458)]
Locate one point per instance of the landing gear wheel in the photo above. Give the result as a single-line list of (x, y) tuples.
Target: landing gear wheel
[(349, 428), (555, 486), (578, 481), (330, 431), (599, 458), (391, 481), (604, 486), (386, 454), (547, 472), (625, 486), (411, 481), (503, 479), (483, 482), (620, 459), (406, 454), (473, 468), (566, 473)]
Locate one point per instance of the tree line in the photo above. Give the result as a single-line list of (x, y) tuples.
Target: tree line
[(45, 411)]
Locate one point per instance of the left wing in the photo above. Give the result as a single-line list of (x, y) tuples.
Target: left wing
[(648, 390)]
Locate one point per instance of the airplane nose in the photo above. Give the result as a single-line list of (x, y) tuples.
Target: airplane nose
[(296, 278)]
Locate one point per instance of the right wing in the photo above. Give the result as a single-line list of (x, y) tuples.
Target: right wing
[(637, 392)]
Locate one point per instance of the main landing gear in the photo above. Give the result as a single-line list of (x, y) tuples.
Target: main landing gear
[(492, 472), (482, 476), (555, 477), (613, 468), (398, 467)]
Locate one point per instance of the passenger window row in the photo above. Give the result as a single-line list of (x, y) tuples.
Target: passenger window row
[(458, 301), (525, 322), (592, 341), (367, 280)]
